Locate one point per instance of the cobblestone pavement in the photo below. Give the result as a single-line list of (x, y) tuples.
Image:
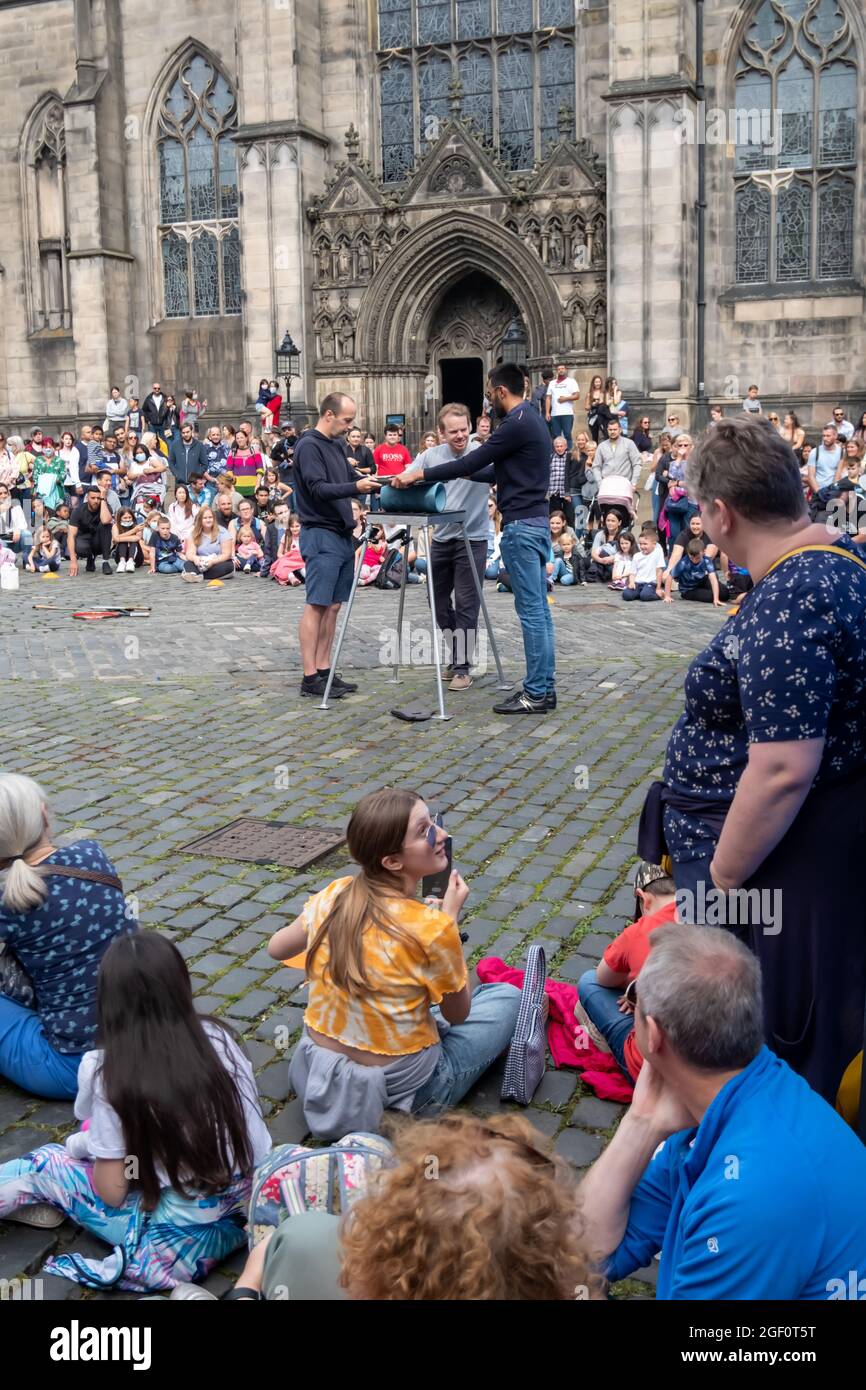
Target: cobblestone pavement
[(148, 733)]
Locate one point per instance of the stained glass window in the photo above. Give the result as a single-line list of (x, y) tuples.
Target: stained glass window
[(513, 16), (556, 14), (512, 94), (753, 235), (793, 232), (205, 267), (516, 125), (231, 253), (434, 76), (837, 107), (556, 88), (476, 76), (395, 23), (434, 21), (473, 19), (835, 229), (796, 111), (198, 184), (175, 274), (397, 135)]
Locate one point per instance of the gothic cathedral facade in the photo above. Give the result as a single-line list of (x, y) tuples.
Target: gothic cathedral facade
[(660, 190)]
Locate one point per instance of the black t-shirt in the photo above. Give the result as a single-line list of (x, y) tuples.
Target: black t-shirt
[(686, 535), (364, 456), (85, 520)]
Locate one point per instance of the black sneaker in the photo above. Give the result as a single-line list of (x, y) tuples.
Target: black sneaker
[(521, 703), (314, 686), (344, 687), (550, 699), (90, 567), (106, 568)]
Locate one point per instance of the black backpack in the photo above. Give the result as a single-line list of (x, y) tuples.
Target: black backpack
[(390, 574)]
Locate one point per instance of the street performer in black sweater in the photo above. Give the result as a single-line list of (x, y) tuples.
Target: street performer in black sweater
[(324, 483), (517, 459)]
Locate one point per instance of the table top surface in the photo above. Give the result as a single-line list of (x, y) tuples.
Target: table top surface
[(426, 518)]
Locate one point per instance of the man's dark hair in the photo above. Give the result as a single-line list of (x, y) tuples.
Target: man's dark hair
[(547, 374), (196, 477), (333, 402), (746, 464), (510, 376)]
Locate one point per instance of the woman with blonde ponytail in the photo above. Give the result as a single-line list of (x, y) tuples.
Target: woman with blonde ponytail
[(60, 909), (378, 963)]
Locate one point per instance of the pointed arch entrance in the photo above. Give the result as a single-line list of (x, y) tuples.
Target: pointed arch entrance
[(448, 292)]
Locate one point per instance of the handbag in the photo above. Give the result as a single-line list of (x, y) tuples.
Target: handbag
[(294, 1179), (527, 1055)]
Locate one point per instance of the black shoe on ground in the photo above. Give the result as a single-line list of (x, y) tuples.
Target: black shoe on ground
[(521, 703), (90, 567), (344, 687), (314, 686), (550, 699), (106, 568)]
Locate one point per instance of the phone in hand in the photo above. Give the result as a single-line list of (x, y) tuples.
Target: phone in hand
[(436, 885)]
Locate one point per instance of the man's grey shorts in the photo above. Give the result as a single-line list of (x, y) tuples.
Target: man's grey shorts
[(329, 565)]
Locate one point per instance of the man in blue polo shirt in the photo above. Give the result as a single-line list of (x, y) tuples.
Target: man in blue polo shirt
[(324, 484), (727, 1162), (517, 459)]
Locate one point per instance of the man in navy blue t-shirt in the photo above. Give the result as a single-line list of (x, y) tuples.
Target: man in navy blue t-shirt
[(517, 459)]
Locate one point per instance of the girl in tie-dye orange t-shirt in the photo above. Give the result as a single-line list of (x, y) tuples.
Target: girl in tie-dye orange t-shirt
[(378, 959)]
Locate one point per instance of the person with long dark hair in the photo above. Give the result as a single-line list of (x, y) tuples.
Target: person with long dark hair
[(163, 1171), (377, 962)]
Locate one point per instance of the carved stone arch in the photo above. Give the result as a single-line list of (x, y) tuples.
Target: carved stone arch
[(42, 171), (403, 294), (323, 257), (323, 327)]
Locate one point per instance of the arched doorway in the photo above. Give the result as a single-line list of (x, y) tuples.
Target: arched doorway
[(464, 340)]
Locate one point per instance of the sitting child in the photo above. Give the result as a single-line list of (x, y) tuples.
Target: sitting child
[(373, 557), (44, 558), (622, 561), (288, 568), (174, 1090), (248, 552), (377, 961), (645, 572), (166, 549), (574, 559), (696, 577), (604, 1010), (126, 539)]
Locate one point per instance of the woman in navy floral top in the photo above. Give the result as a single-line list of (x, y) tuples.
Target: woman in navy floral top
[(765, 777), (58, 928)]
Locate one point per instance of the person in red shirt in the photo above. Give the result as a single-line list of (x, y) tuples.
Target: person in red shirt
[(392, 457), (603, 1009)]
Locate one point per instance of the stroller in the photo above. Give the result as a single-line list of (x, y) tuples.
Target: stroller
[(614, 495), (147, 497)]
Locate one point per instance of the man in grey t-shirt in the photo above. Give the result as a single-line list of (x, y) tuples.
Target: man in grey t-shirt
[(454, 589)]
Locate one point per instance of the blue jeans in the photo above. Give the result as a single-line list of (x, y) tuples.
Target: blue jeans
[(27, 1057), (646, 592), (562, 573), (174, 566), (679, 515), (601, 1005), (561, 425), (525, 550), (469, 1048)]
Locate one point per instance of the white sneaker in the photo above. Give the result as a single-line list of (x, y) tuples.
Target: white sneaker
[(130, 567)]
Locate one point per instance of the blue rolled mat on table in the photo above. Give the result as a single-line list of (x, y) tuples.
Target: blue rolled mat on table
[(423, 497)]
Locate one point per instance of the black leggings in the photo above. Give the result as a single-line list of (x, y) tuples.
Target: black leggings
[(702, 593), (217, 571), (129, 550)]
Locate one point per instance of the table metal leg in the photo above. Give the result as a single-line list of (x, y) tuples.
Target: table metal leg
[(335, 655), (503, 683), (394, 678), (428, 550)]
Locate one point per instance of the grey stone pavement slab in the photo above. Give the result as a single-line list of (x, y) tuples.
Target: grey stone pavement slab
[(149, 733)]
